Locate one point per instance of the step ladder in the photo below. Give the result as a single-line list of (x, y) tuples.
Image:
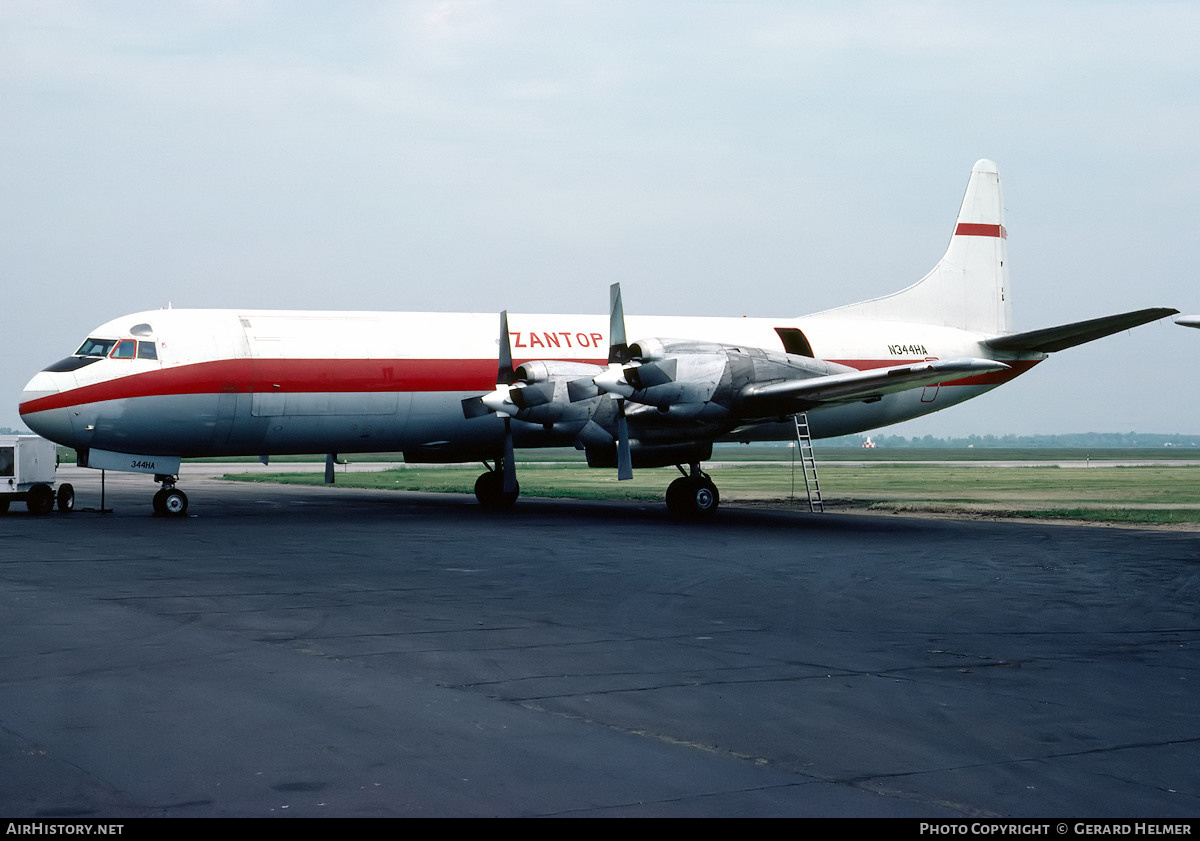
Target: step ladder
[(808, 463)]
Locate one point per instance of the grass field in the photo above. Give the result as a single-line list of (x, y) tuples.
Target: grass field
[(763, 452), (1143, 494)]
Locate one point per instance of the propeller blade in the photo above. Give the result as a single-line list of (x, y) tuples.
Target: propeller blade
[(473, 407), (510, 464), (528, 396), (593, 435), (583, 389), (624, 459), (505, 373), (618, 348), (650, 374)]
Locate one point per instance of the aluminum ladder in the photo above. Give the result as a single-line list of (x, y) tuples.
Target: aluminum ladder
[(808, 463)]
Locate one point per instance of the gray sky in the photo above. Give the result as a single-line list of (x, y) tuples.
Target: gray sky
[(716, 158)]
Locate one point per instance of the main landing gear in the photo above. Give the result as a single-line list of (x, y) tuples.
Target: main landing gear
[(489, 487), (693, 495), (170, 501)]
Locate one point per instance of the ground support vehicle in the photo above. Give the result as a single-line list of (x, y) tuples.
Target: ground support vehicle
[(27, 467)]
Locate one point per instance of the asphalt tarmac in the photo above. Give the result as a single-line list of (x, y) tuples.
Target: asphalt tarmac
[(287, 651)]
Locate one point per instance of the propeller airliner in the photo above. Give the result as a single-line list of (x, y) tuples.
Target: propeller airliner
[(145, 390)]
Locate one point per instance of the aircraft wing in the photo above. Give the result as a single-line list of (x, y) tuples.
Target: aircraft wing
[(793, 395), (1064, 336)]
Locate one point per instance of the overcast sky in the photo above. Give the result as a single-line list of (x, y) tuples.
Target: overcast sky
[(716, 158)]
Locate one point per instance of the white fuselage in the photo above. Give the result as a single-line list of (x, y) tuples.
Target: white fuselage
[(229, 382)]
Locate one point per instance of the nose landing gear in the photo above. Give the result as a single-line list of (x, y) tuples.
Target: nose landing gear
[(169, 501)]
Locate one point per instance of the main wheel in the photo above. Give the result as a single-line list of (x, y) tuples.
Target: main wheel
[(693, 496), (489, 490), (66, 497), (40, 500)]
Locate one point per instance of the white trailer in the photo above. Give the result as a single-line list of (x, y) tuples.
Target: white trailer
[(27, 466)]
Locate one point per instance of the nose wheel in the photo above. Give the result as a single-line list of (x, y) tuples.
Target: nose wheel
[(170, 501)]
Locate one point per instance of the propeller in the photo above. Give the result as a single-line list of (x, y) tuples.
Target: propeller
[(506, 400), (506, 375)]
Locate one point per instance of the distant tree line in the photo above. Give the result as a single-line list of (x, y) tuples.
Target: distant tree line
[(1078, 439)]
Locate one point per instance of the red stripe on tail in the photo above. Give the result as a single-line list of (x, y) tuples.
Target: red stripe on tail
[(978, 229)]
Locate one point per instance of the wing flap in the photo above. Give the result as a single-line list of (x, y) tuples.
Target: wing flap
[(1064, 336), (788, 396)]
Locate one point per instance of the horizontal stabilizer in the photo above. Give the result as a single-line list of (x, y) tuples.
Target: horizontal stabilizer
[(796, 395), (1068, 335)]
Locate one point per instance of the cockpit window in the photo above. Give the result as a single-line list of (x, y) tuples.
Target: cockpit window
[(96, 347), (116, 349)]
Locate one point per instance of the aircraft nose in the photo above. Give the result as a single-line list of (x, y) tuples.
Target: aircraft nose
[(39, 412)]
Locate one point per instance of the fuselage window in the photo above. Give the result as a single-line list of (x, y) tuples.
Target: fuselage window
[(147, 350), (126, 349), (96, 347)]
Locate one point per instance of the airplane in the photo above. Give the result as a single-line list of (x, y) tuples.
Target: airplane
[(145, 390)]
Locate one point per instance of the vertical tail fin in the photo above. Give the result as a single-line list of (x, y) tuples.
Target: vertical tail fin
[(968, 288)]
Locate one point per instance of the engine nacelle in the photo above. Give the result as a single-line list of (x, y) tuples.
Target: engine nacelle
[(678, 376), (546, 371), (653, 349), (544, 383), (654, 455)]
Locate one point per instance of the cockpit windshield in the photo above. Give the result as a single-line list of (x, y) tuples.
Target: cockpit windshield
[(117, 349), (96, 347)]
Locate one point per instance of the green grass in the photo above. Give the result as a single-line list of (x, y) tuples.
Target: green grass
[(779, 452), (1108, 494)]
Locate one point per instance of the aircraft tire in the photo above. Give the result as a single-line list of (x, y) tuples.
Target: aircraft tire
[(174, 502), (66, 498), (489, 490), (677, 493), (694, 497)]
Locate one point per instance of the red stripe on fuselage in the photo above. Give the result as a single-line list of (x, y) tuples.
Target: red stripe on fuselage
[(978, 229), (281, 376), (241, 376)]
